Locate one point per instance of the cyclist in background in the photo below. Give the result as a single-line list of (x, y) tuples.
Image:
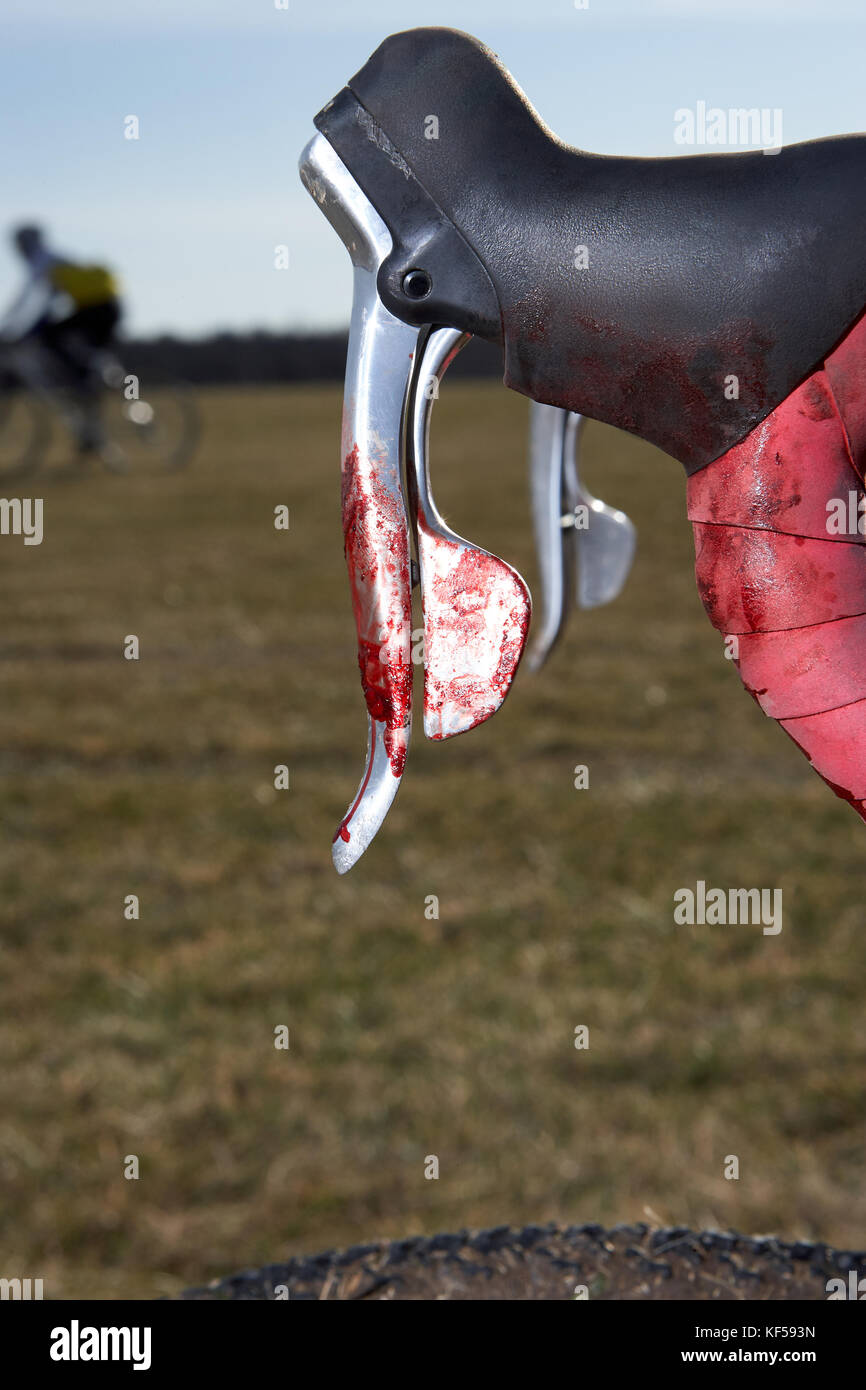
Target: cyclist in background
[(71, 311)]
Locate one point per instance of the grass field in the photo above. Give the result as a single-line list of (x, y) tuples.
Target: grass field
[(409, 1037)]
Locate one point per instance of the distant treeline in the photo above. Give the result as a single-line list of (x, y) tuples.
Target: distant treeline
[(261, 357)]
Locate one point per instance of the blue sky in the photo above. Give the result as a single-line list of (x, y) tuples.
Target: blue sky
[(225, 92)]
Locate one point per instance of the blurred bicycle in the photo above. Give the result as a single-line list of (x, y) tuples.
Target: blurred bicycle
[(109, 421), (59, 364)]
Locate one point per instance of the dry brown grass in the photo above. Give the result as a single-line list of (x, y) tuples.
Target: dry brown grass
[(409, 1037)]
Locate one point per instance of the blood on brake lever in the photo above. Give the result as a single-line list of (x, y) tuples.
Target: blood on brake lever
[(476, 608)]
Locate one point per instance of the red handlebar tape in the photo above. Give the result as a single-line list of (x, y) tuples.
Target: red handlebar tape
[(781, 563)]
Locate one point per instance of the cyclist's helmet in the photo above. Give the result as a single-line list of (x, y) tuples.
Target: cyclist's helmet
[(28, 240)]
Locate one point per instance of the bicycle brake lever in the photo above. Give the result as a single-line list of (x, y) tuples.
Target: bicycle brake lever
[(673, 298), (584, 548), (475, 607), (375, 526)]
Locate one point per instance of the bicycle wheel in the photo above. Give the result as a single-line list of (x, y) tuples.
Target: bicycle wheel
[(25, 429), (154, 434)]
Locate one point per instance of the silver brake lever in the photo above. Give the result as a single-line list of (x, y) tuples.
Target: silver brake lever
[(585, 548), (476, 608), (378, 366)]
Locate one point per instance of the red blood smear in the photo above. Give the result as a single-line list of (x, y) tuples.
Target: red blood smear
[(769, 570), (378, 561), (609, 373), (476, 615)]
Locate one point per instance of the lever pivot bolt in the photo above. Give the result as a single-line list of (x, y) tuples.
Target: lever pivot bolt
[(416, 284)]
